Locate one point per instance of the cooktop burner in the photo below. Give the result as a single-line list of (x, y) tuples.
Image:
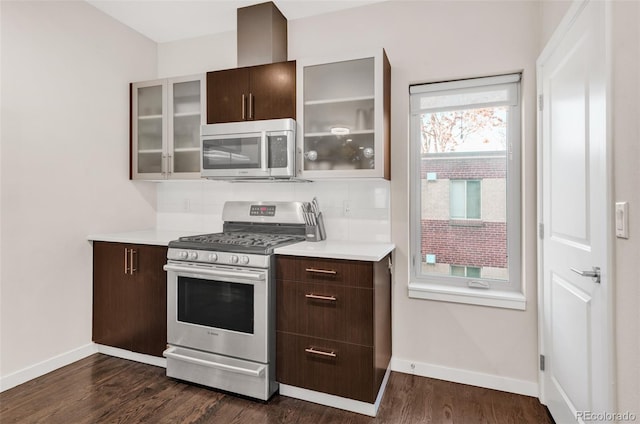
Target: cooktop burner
[(235, 242)]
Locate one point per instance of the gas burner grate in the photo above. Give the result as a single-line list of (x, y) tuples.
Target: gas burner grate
[(236, 241)]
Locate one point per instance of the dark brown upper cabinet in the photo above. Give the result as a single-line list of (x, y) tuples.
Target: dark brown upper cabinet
[(252, 93)]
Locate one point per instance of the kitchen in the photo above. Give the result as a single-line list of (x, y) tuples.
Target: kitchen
[(58, 57)]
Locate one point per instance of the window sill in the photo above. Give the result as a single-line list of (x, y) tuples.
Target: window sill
[(493, 298)]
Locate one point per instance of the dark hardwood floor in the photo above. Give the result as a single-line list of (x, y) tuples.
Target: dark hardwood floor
[(104, 389)]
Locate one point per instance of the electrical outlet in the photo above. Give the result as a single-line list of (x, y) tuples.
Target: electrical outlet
[(346, 208)]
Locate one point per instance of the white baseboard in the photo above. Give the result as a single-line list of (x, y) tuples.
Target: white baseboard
[(473, 378), (333, 401), (132, 356), (37, 370)]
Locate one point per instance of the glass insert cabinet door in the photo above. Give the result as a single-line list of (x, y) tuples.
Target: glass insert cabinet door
[(342, 114), (185, 121), (166, 119), (150, 128)]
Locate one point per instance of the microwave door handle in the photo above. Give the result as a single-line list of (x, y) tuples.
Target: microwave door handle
[(265, 151)]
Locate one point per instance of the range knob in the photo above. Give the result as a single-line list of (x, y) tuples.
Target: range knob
[(233, 259), (213, 257), (244, 260), (183, 255), (193, 255)]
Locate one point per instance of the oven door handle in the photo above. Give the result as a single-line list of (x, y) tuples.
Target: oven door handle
[(248, 275), (170, 353)]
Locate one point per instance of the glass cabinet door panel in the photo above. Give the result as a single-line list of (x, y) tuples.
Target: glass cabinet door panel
[(150, 162), (355, 115), (339, 116), (150, 133), (150, 101), (187, 119), (150, 129), (339, 80), (339, 152), (188, 161), (186, 97)]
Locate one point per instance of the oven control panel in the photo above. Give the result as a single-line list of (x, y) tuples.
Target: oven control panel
[(262, 210), (221, 258)]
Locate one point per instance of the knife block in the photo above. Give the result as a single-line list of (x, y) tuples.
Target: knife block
[(316, 232)]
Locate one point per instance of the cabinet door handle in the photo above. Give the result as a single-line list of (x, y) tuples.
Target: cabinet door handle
[(169, 164), (244, 107), (126, 257), (320, 297), (314, 351), (131, 267), (321, 271), (250, 106), (163, 165)]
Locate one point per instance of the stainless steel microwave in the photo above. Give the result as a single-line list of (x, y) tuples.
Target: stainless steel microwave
[(249, 149)]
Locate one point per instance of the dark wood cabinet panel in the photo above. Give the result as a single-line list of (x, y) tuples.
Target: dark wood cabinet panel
[(113, 296), (129, 307), (341, 369), (329, 311), (227, 93), (273, 91), (353, 331), (252, 93), (322, 270)]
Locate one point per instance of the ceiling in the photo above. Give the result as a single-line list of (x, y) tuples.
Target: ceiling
[(171, 20)]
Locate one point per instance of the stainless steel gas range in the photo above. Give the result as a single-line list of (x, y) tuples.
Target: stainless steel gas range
[(221, 298)]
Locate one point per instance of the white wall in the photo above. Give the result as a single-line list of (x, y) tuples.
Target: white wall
[(626, 156), (64, 171), (427, 41)]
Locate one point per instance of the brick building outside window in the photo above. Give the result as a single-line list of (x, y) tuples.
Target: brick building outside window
[(463, 219)]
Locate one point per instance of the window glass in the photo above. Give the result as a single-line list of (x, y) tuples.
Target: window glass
[(473, 272), (457, 198), (473, 199)]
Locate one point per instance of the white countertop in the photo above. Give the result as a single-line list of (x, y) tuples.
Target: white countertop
[(151, 236), (338, 249), (335, 249)]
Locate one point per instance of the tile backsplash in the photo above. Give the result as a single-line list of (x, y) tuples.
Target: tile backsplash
[(353, 210)]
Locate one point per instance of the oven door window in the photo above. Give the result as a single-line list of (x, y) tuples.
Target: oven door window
[(240, 152), (216, 304)]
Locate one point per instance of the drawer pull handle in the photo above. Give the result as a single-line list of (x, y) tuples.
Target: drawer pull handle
[(320, 352), (320, 297), (321, 271)]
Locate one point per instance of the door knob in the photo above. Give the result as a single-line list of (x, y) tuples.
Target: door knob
[(594, 273)]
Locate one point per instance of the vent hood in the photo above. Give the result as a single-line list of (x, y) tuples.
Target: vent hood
[(262, 35)]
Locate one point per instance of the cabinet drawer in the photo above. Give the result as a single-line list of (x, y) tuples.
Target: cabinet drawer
[(328, 311), (340, 369), (321, 270)]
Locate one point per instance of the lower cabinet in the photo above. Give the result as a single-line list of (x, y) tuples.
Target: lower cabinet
[(333, 325), (130, 297)]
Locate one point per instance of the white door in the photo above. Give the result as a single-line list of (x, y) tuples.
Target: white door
[(576, 335)]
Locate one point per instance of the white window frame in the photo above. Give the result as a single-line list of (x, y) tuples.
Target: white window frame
[(477, 291)]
